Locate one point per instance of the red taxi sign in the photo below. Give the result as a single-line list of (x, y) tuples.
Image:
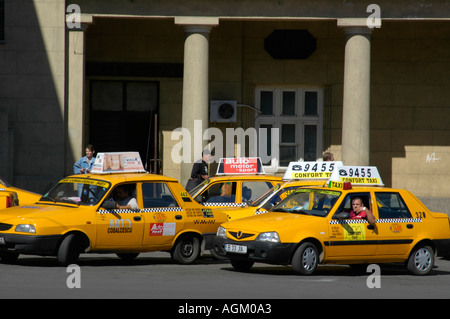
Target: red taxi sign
[(240, 165), (118, 162)]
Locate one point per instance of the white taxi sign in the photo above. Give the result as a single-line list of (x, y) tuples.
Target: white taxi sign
[(118, 162), (311, 170), (240, 165), (356, 175)]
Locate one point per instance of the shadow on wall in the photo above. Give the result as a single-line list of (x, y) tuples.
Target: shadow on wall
[(32, 72)]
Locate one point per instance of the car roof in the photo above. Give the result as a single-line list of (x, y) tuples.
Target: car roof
[(122, 177), (245, 177)]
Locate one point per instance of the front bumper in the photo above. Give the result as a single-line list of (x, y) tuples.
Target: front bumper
[(29, 244), (258, 251)]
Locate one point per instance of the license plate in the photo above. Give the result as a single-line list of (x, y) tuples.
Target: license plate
[(2, 241), (237, 249)]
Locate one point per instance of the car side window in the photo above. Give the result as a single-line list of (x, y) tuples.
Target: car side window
[(346, 205), (252, 190), (224, 192), (391, 205), (157, 195)]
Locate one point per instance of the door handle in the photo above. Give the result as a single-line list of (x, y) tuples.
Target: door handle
[(410, 226), (178, 217), (137, 218), (371, 227)]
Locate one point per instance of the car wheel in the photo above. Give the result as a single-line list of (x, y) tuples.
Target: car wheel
[(69, 250), (216, 256), (421, 260), (241, 265), (305, 259), (186, 250)]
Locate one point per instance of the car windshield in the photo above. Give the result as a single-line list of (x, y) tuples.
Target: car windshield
[(4, 183), (273, 196), (197, 189), (79, 191), (316, 202)]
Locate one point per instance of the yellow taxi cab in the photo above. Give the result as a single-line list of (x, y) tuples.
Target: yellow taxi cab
[(118, 208), (313, 226), (297, 174), (12, 196), (238, 181)]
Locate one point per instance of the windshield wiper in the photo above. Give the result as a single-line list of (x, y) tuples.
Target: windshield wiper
[(282, 210), (71, 201), (47, 198), (300, 211)]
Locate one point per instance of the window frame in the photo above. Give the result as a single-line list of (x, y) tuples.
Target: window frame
[(277, 119)]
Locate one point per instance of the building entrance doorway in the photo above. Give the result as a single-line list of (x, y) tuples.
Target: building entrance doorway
[(123, 117)]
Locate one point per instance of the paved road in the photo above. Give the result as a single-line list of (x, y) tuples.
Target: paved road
[(154, 276)]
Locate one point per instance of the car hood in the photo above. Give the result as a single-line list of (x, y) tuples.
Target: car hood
[(271, 222), (31, 212)]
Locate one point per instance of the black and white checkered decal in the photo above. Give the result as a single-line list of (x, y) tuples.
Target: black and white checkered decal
[(378, 221), (225, 204), (145, 210)]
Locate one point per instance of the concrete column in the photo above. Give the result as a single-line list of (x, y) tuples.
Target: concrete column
[(356, 103), (74, 117), (195, 106)]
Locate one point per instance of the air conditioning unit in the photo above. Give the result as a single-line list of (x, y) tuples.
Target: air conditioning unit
[(223, 111)]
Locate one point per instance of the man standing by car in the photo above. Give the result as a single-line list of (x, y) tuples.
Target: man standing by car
[(199, 171)]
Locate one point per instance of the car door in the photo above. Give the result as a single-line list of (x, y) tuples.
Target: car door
[(120, 227), (396, 225), (164, 217), (352, 237)]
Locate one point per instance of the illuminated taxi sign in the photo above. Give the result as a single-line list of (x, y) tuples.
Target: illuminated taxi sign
[(118, 162), (240, 165), (311, 170), (356, 175)]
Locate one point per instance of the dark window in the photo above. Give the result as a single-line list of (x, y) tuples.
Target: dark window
[(391, 205), (157, 195)]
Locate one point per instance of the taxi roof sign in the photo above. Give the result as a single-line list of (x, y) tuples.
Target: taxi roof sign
[(311, 170), (118, 162), (357, 175), (240, 165)]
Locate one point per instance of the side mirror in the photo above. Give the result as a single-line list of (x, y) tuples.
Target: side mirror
[(109, 204), (341, 215)]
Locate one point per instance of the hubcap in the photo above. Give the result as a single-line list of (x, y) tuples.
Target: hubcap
[(309, 259), (187, 249), (422, 259)]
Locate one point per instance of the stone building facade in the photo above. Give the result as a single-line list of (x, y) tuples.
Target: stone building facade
[(125, 74)]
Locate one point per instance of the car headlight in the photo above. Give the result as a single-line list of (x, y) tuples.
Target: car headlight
[(25, 228), (221, 232), (269, 236)]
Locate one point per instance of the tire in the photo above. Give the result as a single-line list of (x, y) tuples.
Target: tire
[(216, 256), (186, 250), (241, 265), (127, 256), (305, 259), (70, 249), (421, 260)]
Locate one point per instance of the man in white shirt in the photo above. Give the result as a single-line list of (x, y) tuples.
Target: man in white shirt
[(124, 200)]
